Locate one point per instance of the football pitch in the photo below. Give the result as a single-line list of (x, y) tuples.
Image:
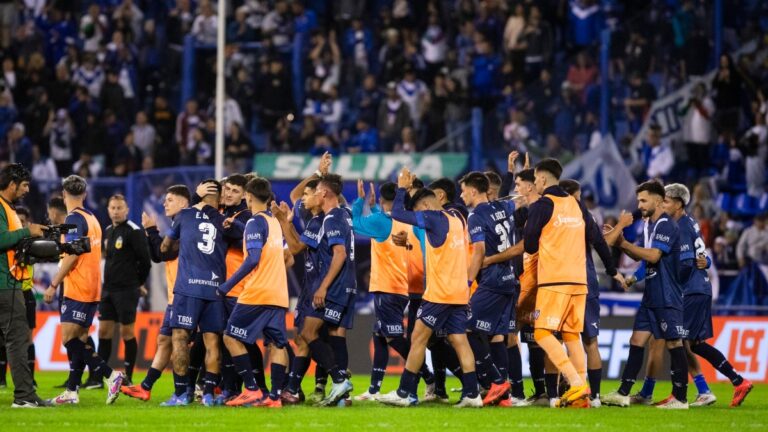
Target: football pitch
[(129, 414)]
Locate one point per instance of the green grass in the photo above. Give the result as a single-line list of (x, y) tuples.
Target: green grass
[(128, 414)]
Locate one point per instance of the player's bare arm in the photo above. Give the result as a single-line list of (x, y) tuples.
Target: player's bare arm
[(67, 264), (337, 262)]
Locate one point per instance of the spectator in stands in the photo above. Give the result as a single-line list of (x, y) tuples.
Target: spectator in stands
[(114, 133), (164, 121), (581, 74), (44, 171), (205, 24), (393, 116), (93, 28), (367, 100), (276, 94), (237, 148), (60, 133), (8, 114), (61, 91), (637, 55), (144, 134), (89, 75), (186, 121), (434, 46), (365, 139), (565, 111), (657, 154), (128, 155), (277, 25), (332, 110), (325, 58), (638, 103), (20, 146), (554, 149), (697, 130), (357, 46), (309, 133), (514, 37), (695, 56), (516, 132), (414, 94), (112, 95), (586, 22), (754, 150), (538, 42), (486, 66), (87, 164), (322, 144), (407, 142), (284, 138), (753, 243), (180, 20), (239, 30), (727, 95), (391, 57)]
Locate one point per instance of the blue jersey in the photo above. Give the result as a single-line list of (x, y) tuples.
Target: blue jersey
[(662, 287), (202, 252), (311, 237), (337, 230), (489, 223), (593, 284), (691, 246)]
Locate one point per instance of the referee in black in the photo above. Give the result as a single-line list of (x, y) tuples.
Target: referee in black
[(126, 267)]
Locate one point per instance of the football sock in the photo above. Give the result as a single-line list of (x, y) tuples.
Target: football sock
[(99, 368), (257, 363), (515, 370), (180, 384), (594, 376), (679, 373), (469, 386), (556, 354), (536, 367), (76, 363), (242, 366), (210, 381), (90, 342), (438, 368), (631, 369), (340, 353), (380, 360), (701, 384), (300, 366), (649, 384), (550, 379), (323, 355), (149, 381), (278, 380), (321, 376), (408, 383), (228, 372), (105, 349), (483, 361), (131, 349), (717, 360)]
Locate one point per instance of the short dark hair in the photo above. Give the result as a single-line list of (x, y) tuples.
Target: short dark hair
[(493, 178), (57, 203), (180, 190), (74, 185), (23, 211), (259, 188), (387, 191), (312, 184), (477, 180), (570, 186), (420, 195), (446, 185), (332, 182), (417, 183), (13, 173), (237, 180), (551, 166), (652, 187), (213, 181), (119, 197), (527, 175)]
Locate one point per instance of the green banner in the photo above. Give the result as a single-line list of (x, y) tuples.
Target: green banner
[(374, 166)]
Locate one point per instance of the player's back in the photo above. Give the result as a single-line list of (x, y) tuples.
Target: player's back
[(562, 248), (83, 282), (489, 222), (691, 247), (202, 252), (337, 230)]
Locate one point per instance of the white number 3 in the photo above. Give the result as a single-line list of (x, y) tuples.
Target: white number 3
[(209, 236)]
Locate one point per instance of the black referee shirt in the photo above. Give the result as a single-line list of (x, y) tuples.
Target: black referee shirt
[(126, 254)]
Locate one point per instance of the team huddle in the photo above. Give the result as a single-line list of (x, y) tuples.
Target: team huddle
[(474, 280)]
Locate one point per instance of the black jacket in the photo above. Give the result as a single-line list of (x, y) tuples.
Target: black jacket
[(126, 253)]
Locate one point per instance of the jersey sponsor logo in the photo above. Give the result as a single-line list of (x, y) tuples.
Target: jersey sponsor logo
[(119, 243), (334, 233), (253, 236), (568, 221), (476, 230), (457, 242), (662, 238), (214, 276)]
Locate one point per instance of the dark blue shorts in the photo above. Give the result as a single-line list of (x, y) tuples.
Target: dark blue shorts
[(663, 323), (490, 312), (229, 306), (165, 328), (444, 319), (414, 302), (189, 313), (526, 335), (303, 307), (389, 309), (77, 312), (513, 313), (697, 311), (335, 314), (248, 322), (592, 318)]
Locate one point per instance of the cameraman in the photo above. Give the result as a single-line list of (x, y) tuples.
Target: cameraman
[(126, 267), (14, 329), (81, 275)]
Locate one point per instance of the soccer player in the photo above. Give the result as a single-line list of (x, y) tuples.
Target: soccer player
[(559, 228), (492, 302), (82, 282), (177, 197), (126, 267), (388, 281), (263, 302), (661, 312), (697, 297), (444, 306), (197, 231)]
